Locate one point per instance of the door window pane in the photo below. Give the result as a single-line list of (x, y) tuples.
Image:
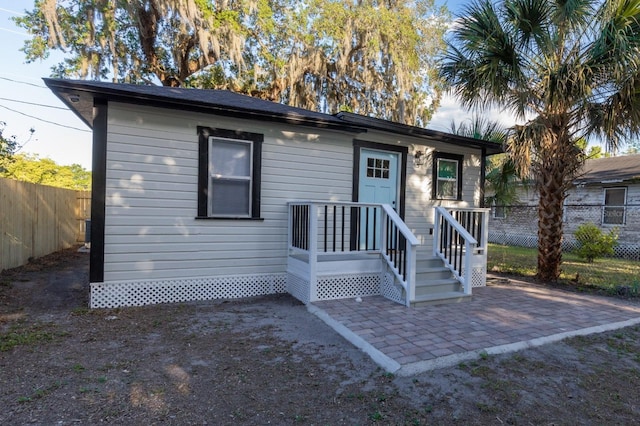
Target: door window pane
[(378, 168)]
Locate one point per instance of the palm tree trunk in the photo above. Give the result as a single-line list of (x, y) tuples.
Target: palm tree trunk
[(550, 225)]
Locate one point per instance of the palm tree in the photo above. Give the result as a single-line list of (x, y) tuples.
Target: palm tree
[(569, 69), (501, 174)]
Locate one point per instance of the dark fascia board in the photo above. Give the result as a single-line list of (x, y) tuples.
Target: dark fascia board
[(79, 96), (403, 129)]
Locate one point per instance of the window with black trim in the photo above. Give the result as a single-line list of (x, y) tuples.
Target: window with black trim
[(447, 176), (613, 211), (229, 173)]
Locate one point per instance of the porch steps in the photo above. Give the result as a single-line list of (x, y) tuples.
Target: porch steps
[(435, 284)]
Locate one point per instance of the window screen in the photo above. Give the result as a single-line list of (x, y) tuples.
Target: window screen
[(614, 206)]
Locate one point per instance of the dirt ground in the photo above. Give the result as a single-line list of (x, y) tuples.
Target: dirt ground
[(268, 361)]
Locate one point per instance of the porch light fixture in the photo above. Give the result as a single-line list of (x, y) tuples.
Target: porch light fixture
[(74, 98), (419, 158)]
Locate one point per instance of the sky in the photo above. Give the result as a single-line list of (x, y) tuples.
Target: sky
[(59, 134), (26, 103)]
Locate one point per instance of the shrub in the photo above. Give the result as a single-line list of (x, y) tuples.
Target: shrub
[(593, 243)]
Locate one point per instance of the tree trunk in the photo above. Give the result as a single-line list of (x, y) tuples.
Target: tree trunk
[(550, 224)]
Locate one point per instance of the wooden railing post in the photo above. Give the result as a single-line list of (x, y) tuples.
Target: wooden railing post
[(313, 252), (468, 272), (411, 273), (289, 228), (436, 231), (485, 233)]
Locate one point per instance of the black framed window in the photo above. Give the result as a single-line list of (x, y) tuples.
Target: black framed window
[(229, 174), (447, 176)]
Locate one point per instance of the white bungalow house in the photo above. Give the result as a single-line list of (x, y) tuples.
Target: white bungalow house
[(203, 194)]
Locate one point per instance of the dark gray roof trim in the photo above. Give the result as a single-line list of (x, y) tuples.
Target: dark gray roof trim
[(79, 96), (610, 170), (403, 129)]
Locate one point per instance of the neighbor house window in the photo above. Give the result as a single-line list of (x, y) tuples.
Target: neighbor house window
[(229, 173), (614, 206), (499, 212), (447, 176)]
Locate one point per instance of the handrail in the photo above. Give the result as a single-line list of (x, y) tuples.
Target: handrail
[(448, 236), (402, 227), (403, 269), (456, 225), (323, 227)]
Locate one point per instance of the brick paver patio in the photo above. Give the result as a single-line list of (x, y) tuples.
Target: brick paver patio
[(500, 318)]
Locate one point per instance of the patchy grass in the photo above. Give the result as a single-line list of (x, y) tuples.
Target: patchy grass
[(25, 335), (607, 274)]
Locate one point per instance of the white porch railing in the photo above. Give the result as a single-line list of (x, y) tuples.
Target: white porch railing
[(460, 240), (320, 228)]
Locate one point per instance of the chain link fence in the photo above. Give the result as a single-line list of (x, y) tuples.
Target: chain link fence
[(517, 225)]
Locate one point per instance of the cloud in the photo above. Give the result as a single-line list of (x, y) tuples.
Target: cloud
[(450, 110)]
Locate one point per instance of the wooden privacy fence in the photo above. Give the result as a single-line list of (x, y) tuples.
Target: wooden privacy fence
[(36, 220)]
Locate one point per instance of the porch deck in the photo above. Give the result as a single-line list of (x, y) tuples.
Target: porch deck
[(346, 249), (501, 318)]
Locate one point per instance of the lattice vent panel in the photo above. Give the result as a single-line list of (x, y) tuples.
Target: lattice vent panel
[(478, 276), (627, 251), (344, 286), (391, 290), (298, 288), (138, 293)]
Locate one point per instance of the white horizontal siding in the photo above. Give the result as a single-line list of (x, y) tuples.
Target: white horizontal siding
[(151, 231)]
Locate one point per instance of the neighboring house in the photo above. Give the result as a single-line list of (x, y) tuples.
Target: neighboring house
[(203, 194), (606, 193)]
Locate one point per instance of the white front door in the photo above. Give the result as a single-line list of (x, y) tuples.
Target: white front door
[(378, 183)]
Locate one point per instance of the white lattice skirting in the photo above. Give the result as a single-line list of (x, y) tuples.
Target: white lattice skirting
[(479, 276), (334, 286), (391, 290), (298, 288), (348, 285), (139, 293)]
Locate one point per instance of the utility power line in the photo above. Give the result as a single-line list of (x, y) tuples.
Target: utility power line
[(14, 32), (13, 12), (45, 121), (35, 104), (23, 82)]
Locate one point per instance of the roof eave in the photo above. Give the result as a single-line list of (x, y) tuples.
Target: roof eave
[(491, 148), (80, 100)]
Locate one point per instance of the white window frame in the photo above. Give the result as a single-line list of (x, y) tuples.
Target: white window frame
[(605, 206), (219, 177), (454, 180), (495, 211)]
